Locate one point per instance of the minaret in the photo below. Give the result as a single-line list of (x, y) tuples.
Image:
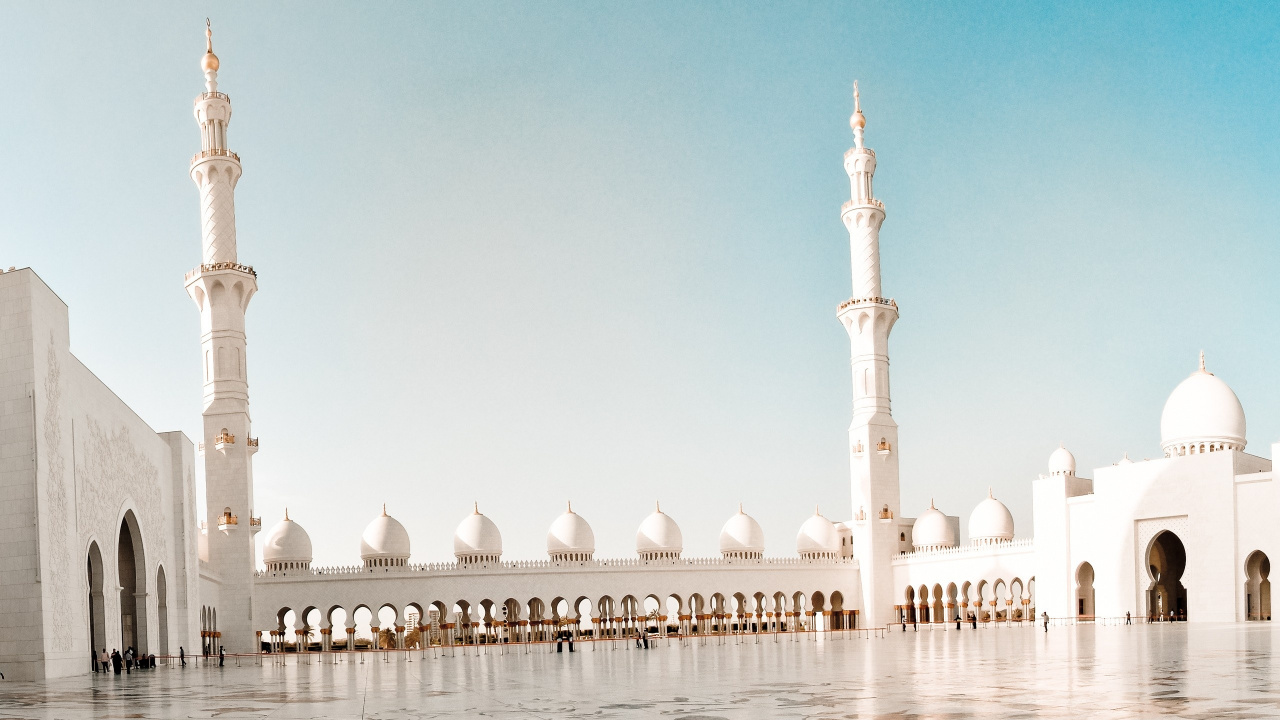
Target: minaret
[(221, 288), (873, 435)]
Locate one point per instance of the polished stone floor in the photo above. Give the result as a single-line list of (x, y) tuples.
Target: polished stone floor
[(1181, 670)]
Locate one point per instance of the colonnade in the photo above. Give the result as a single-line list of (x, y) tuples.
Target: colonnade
[(987, 600)]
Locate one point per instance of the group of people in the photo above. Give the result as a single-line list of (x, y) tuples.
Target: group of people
[(117, 661), (1171, 617)]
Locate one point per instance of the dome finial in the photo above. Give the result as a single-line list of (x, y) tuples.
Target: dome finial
[(569, 503), (1206, 372), (475, 507), (210, 61), (931, 507), (286, 513), (384, 509), (657, 506), (858, 121), (815, 510), (740, 508), (989, 493)]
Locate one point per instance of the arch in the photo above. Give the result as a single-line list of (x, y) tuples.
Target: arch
[(1016, 597), (131, 559), (939, 612), (97, 601), (1166, 562), (162, 609), (953, 604), (1084, 590), (837, 610), (1257, 586)]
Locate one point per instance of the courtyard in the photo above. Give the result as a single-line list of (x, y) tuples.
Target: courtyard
[(1179, 670)]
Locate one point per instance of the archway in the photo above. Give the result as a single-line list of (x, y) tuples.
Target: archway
[(162, 610), (97, 601), (1084, 590), (1166, 562), (1257, 587), (132, 564)]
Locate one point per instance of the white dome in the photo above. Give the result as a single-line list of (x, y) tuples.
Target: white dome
[(477, 537), (1062, 462), (818, 537), (1202, 410), (385, 537), (1125, 460), (570, 534), (932, 530), (742, 536), (659, 534), (287, 542), (990, 522)]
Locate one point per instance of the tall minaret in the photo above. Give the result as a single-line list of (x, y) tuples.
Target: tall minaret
[(221, 288), (873, 435)]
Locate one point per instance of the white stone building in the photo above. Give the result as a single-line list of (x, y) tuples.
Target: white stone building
[(100, 545)]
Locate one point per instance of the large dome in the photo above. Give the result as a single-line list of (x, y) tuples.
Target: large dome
[(571, 537), (1202, 414), (286, 543), (659, 536), (477, 538), (932, 530), (1062, 462), (385, 537), (990, 522), (742, 536), (818, 537)]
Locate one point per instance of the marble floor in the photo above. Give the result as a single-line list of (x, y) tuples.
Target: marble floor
[(1141, 671)]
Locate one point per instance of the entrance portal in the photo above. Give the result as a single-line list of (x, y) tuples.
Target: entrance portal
[(1166, 562), (133, 585), (97, 602), (1084, 590), (1257, 588)]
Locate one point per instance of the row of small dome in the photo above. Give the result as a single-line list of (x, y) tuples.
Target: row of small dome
[(989, 523), (385, 542)]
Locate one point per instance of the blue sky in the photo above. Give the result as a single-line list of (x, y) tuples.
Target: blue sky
[(526, 253)]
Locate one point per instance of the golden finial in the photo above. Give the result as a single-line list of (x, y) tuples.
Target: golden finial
[(858, 121), (657, 507), (210, 61), (570, 504), (815, 511), (384, 509), (740, 509), (1202, 362), (475, 508), (286, 513), (931, 507)]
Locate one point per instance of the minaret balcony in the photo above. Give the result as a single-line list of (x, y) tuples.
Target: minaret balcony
[(215, 95), (228, 522), (859, 301), (223, 441), (854, 150), (255, 525), (200, 448), (252, 444), (212, 267), (212, 153)]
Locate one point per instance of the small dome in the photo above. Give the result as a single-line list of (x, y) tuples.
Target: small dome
[(287, 542), (385, 537), (1125, 460), (742, 536), (477, 537), (818, 537), (570, 535), (659, 536), (1202, 410), (1062, 462), (933, 530), (990, 522)]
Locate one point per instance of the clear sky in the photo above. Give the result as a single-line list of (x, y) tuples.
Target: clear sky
[(527, 253)]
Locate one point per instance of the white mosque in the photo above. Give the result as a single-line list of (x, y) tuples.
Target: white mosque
[(100, 545)]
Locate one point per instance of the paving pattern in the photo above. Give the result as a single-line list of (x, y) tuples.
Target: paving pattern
[(1181, 670)]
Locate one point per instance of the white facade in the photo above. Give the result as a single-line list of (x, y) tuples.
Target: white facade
[(86, 484)]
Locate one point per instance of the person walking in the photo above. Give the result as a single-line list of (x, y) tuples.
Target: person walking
[(973, 620), (222, 656), (182, 656), (104, 660), (1128, 619), (128, 660), (116, 661), (93, 655), (1046, 621)]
